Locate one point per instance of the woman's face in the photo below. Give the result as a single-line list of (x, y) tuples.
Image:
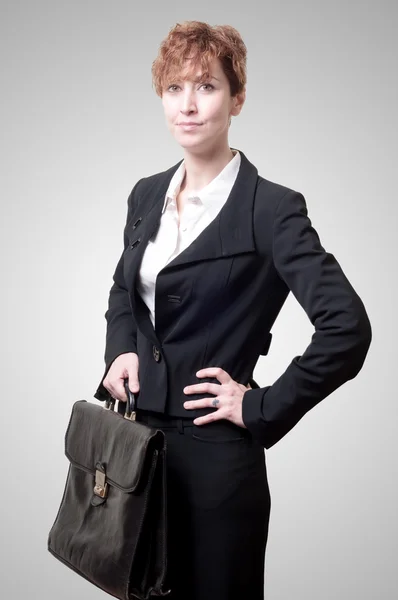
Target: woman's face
[(209, 105)]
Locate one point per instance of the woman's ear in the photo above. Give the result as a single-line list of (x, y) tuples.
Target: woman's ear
[(238, 102)]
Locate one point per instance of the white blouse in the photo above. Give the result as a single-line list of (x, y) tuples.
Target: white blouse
[(200, 208)]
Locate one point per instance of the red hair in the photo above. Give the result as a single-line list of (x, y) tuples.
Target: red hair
[(200, 42)]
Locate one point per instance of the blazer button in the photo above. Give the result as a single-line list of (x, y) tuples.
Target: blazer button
[(135, 243), (156, 353)]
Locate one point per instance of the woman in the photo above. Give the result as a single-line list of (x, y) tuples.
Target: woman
[(211, 251)]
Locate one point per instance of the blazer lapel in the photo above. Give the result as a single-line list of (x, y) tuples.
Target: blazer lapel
[(142, 226), (230, 233)]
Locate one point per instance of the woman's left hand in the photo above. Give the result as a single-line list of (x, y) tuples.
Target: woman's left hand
[(228, 397)]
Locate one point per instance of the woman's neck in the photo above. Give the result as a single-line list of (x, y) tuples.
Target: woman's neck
[(200, 170)]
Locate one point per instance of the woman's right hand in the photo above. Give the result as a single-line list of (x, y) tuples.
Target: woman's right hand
[(125, 365)]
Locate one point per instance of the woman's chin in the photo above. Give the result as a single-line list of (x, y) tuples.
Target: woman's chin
[(186, 142)]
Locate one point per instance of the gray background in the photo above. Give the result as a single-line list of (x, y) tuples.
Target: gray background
[(80, 125)]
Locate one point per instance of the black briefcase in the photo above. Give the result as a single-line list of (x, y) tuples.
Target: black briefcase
[(111, 524)]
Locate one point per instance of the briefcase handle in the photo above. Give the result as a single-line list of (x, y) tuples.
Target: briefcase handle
[(130, 410)]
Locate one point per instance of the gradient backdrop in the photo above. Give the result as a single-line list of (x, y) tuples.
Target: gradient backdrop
[(80, 125)]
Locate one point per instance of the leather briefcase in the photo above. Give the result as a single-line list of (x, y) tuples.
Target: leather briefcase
[(111, 524)]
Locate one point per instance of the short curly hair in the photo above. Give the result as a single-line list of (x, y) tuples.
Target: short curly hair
[(201, 42)]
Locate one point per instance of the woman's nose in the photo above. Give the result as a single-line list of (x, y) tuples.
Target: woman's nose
[(188, 103)]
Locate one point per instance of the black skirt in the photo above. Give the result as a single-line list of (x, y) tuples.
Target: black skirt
[(218, 505)]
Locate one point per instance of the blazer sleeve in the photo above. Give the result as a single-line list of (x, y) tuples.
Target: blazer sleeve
[(342, 328), (121, 330)]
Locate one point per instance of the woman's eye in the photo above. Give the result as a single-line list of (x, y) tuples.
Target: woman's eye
[(209, 85)]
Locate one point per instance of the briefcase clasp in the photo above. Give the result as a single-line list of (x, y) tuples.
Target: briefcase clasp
[(101, 486)]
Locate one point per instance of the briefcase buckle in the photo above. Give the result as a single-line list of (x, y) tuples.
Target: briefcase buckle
[(101, 486), (131, 416), (110, 404)]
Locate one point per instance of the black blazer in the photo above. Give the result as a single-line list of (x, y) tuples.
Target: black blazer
[(217, 301)]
